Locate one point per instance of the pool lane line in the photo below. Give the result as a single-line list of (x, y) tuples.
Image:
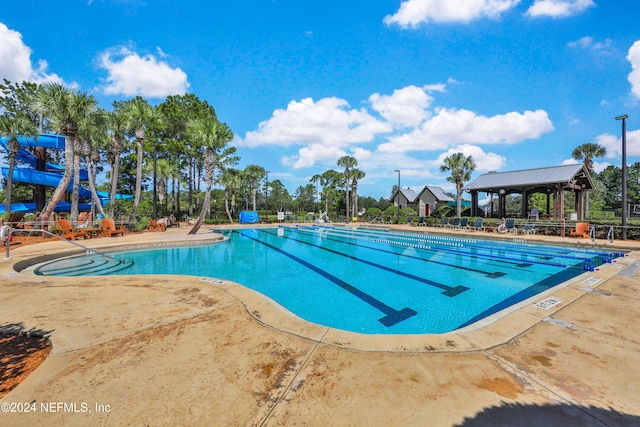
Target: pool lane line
[(443, 248), (566, 253), (392, 317), (448, 290), (533, 290), (488, 274), (513, 263)]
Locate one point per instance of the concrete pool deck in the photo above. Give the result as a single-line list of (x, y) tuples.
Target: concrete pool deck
[(177, 350)]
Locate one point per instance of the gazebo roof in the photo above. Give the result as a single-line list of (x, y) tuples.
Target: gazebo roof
[(575, 175)]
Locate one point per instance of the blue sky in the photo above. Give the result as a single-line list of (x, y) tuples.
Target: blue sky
[(397, 84)]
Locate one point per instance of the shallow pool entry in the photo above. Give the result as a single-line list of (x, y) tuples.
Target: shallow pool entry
[(363, 280)]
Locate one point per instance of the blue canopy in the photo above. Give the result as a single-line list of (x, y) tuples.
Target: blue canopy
[(248, 217)]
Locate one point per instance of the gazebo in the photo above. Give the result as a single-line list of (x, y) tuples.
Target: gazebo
[(552, 181)]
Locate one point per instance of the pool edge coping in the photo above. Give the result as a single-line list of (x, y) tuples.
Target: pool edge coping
[(497, 329)]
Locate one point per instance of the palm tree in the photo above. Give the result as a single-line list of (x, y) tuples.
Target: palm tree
[(328, 181), (460, 167), (165, 170), (94, 137), (255, 174), (586, 152), (118, 143), (67, 110), (213, 135), (348, 163), (12, 127), (139, 116), (231, 180), (356, 174)]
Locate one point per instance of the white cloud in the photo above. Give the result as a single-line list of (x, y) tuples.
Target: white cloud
[(15, 60), (451, 126), (329, 122), (405, 107), (597, 166), (559, 8), (311, 154), (634, 76), (415, 12), (613, 143), (588, 42), (485, 162), (130, 74)]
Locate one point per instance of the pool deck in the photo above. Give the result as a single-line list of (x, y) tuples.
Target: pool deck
[(179, 350)]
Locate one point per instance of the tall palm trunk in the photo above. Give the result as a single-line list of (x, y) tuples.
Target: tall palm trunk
[(92, 169), (254, 192), (115, 171), (209, 164), (58, 193), (14, 148), (138, 195), (226, 205), (117, 148), (354, 194), (75, 194)]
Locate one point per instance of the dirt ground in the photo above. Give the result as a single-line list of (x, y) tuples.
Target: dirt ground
[(20, 355)]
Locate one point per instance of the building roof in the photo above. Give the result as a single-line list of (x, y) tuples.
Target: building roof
[(409, 194), (531, 178), (438, 193), (412, 197)]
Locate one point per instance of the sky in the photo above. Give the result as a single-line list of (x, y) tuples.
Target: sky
[(399, 85)]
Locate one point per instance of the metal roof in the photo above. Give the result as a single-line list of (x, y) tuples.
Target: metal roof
[(409, 194), (412, 197), (530, 178), (438, 193)]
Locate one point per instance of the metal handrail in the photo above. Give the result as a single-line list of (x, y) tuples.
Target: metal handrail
[(89, 251), (610, 235)]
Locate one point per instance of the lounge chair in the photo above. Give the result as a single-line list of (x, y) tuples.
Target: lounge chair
[(581, 230), (410, 221), (534, 214), (464, 223), (421, 222), (528, 229), (455, 223), (68, 232), (109, 228), (510, 226), (156, 226), (15, 219), (478, 225), (172, 221), (33, 223), (445, 222)]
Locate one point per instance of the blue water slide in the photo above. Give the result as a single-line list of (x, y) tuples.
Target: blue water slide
[(44, 140), (51, 179), (27, 157), (60, 207)]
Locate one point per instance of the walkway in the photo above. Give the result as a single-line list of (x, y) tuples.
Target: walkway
[(176, 350)]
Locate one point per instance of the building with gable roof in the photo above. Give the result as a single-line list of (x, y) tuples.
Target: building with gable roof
[(428, 200)]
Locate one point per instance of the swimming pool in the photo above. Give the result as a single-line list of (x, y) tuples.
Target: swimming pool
[(367, 281)]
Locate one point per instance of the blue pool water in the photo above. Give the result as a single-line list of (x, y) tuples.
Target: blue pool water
[(367, 281)]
